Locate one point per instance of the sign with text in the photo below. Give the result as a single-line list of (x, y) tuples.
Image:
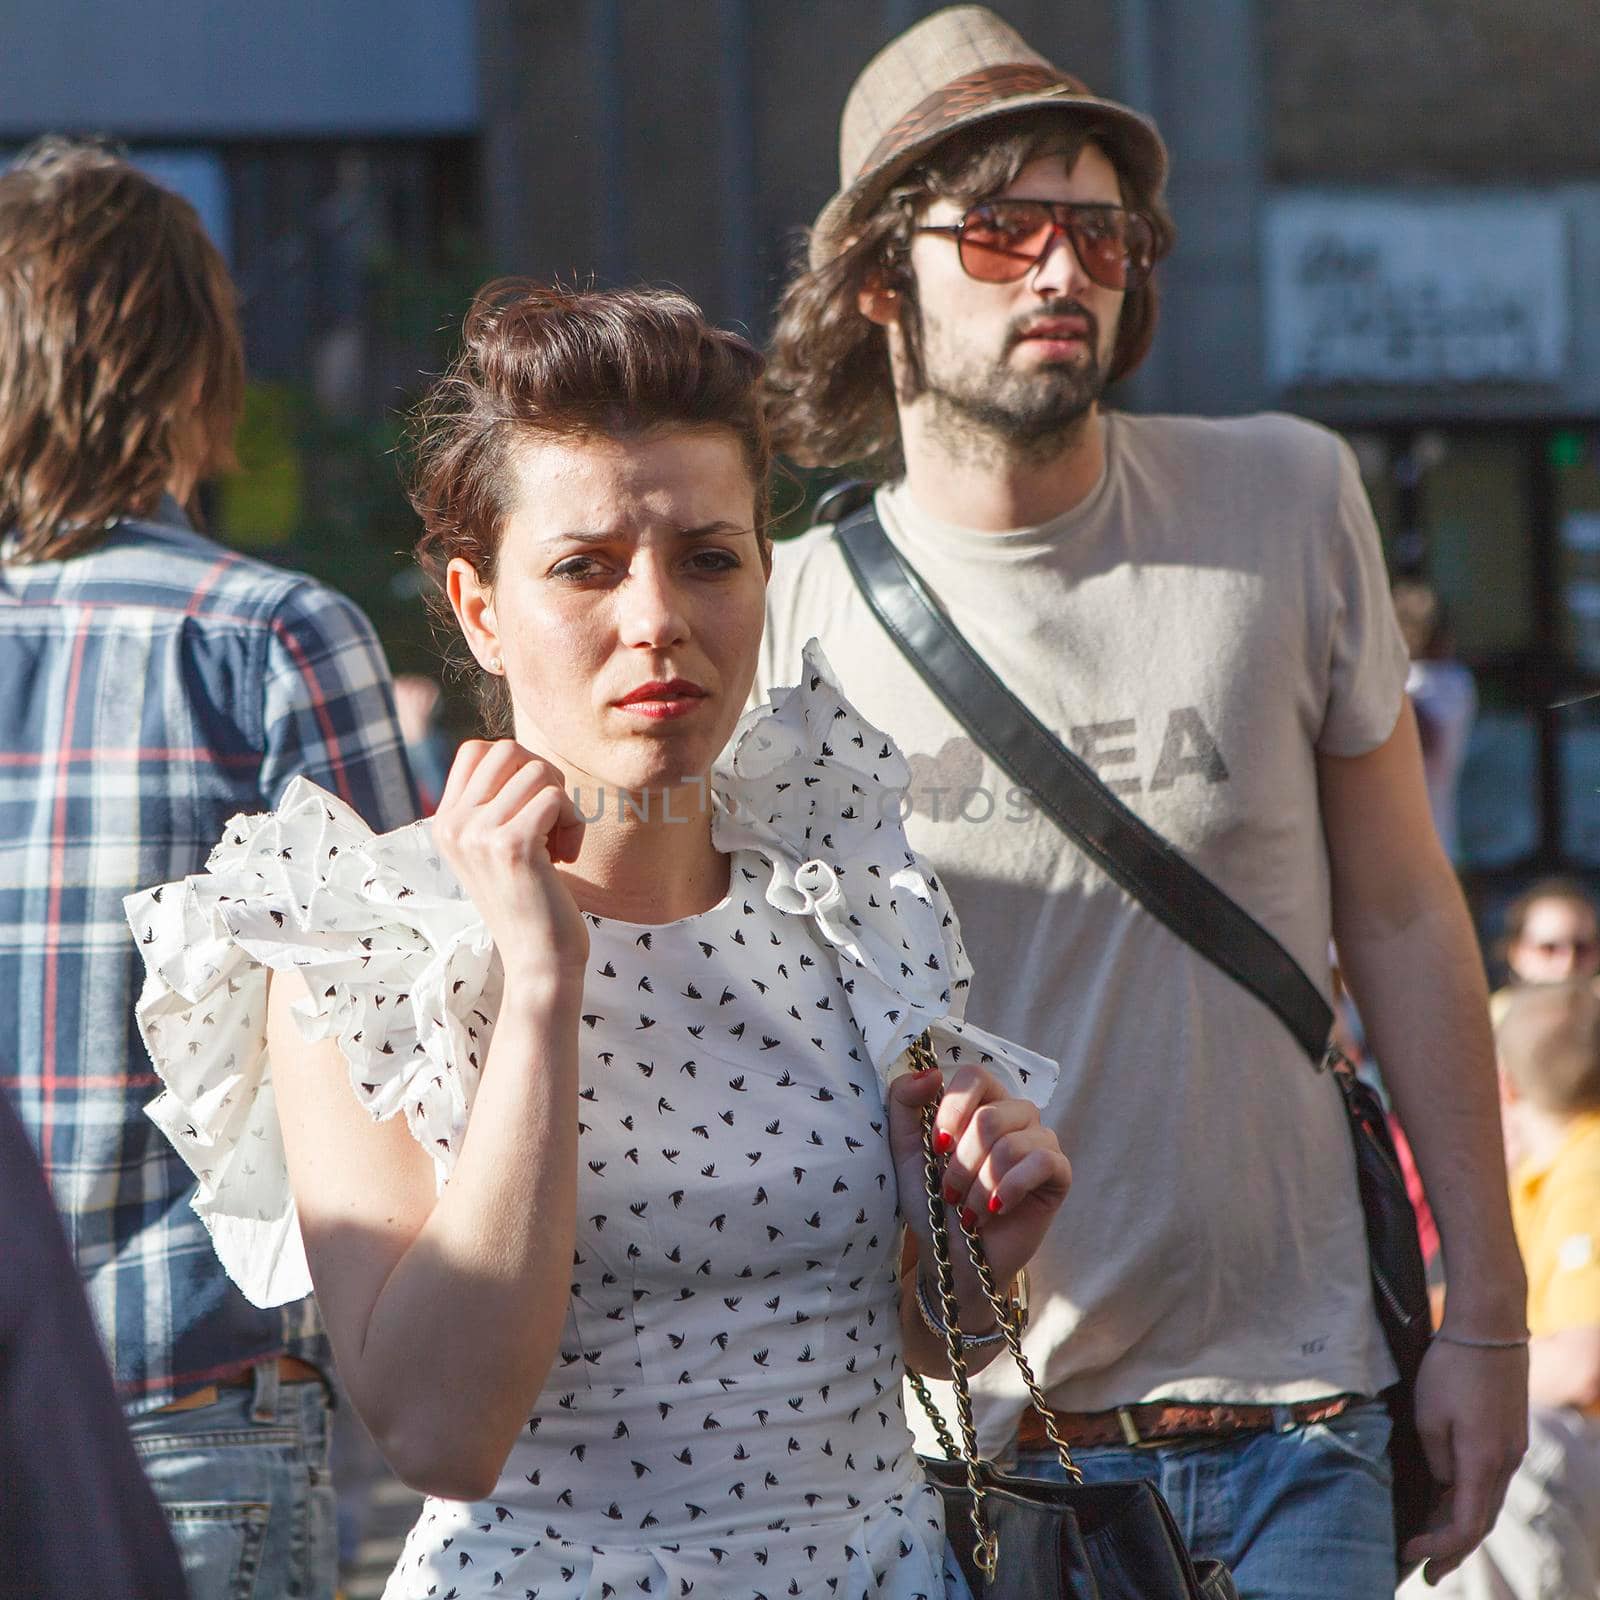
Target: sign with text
[(1381, 289)]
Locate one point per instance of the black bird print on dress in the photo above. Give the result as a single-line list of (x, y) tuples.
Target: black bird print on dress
[(723, 1417)]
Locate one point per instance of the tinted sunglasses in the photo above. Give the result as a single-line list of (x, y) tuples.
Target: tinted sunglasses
[(1000, 241), (1583, 949)]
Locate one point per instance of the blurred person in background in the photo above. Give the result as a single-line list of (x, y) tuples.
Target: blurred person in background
[(63, 1443), (1551, 935), (155, 685), (1546, 1543), (1444, 698), (429, 747)]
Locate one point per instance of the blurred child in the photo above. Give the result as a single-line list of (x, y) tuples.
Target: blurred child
[(1546, 1544)]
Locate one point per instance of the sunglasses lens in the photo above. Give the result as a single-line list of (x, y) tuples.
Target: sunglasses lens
[(1000, 242), (1113, 247)]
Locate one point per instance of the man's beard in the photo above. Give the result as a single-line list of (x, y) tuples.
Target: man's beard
[(1033, 411)]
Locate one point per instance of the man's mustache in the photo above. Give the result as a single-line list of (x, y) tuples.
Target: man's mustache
[(1048, 312)]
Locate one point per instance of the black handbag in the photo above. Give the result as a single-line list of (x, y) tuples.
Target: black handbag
[(1019, 1538), (1170, 888)]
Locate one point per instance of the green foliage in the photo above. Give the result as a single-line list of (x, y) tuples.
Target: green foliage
[(322, 492)]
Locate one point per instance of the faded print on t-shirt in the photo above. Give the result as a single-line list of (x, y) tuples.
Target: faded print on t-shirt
[(1212, 617)]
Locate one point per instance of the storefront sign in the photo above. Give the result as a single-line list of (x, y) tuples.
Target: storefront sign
[(1380, 289)]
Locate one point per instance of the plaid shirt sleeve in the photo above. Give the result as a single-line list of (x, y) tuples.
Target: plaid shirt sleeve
[(328, 709)]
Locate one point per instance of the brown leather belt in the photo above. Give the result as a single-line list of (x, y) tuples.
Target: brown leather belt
[(291, 1369), (1171, 1421)]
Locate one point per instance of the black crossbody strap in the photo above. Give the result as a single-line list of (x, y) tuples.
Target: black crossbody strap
[(1126, 848)]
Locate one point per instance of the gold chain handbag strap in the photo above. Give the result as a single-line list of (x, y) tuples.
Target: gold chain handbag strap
[(987, 1551)]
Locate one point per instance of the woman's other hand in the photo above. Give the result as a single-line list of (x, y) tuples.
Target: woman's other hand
[(504, 821), (1003, 1170)]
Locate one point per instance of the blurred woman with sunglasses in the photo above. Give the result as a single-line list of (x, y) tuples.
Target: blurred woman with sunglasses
[(594, 1129), (1551, 935)]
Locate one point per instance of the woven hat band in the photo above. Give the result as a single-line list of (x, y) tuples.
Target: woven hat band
[(958, 69), (953, 101)]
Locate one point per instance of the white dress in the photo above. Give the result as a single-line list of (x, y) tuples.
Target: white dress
[(724, 1418)]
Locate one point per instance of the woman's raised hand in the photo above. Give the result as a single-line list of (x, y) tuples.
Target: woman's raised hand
[(504, 821), (1003, 1171)]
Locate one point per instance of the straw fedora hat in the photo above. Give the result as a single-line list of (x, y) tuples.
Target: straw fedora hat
[(959, 67)]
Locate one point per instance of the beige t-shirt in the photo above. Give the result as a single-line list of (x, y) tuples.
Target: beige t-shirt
[(1213, 616)]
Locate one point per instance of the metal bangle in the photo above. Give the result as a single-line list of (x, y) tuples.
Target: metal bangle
[(935, 1323), (1482, 1344)]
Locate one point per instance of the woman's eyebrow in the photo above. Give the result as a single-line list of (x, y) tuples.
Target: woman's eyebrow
[(714, 527), (601, 535)]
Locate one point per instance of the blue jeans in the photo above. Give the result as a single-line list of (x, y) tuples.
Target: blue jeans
[(1301, 1513), (245, 1486)]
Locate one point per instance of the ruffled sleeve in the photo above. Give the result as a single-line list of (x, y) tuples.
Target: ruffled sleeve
[(399, 969), (820, 794)]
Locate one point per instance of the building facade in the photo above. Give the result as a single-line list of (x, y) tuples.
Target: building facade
[(1389, 218), (1431, 269)]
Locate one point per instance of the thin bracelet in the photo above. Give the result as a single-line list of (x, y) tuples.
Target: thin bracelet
[(936, 1325), (1483, 1344)]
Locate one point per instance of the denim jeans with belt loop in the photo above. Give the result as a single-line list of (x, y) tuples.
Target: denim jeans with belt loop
[(1298, 1511), (245, 1485)]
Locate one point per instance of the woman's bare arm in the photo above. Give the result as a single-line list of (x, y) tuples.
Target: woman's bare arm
[(445, 1314)]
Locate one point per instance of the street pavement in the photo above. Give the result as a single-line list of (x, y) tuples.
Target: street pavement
[(393, 1508)]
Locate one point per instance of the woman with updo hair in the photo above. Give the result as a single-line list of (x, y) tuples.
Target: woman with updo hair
[(583, 1106)]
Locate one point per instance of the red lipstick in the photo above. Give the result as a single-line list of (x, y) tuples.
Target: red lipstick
[(662, 698)]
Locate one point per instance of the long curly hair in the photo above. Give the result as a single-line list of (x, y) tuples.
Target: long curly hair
[(830, 392)]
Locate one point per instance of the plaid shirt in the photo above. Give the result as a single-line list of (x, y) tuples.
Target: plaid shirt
[(152, 688)]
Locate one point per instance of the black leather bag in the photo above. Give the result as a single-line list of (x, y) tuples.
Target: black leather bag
[(1399, 1291), (1110, 1541), (1019, 1538), (1170, 888)]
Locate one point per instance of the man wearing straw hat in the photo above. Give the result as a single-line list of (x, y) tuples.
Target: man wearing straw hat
[(1199, 609)]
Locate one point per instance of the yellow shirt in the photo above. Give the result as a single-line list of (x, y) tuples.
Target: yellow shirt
[(1556, 1209), (1500, 1000)]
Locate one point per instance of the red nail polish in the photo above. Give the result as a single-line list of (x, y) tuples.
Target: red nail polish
[(996, 1205), (951, 1194), (969, 1217), (943, 1143)]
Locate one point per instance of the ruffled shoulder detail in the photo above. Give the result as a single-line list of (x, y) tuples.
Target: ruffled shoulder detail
[(819, 794), (400, 970)]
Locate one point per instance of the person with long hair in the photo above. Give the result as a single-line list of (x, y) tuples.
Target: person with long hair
[(155, 684), (1196, 609), (583, 1106)]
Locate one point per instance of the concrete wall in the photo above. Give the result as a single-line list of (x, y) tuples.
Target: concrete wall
[(1429, 91), (1195, 66), (228, 69), (690, 141)]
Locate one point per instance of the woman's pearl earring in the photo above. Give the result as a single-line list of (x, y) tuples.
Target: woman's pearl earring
[(496, 664)]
